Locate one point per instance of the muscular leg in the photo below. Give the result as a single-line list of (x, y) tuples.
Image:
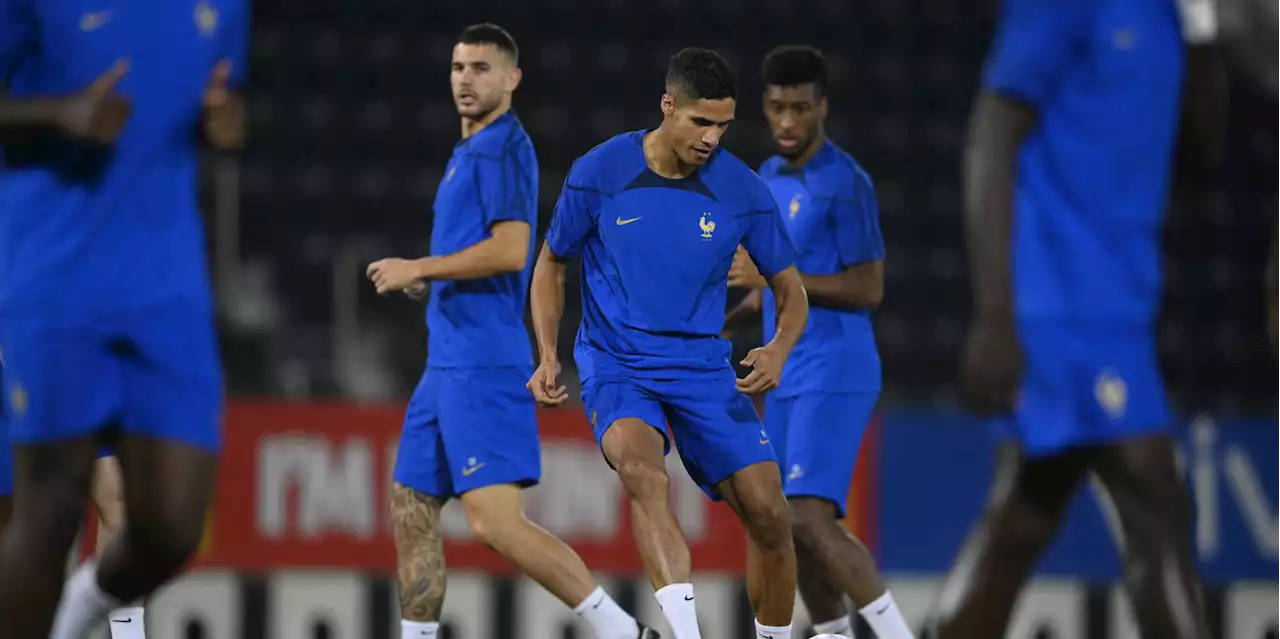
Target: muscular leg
[(755, 494), (1027, 501), (51, 484), (635, 449), (107, 490), (420, 563), (167, 488), (831, 560), (496, 516), (1153, 505)]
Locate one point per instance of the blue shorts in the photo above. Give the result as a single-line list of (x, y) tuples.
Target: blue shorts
[(817, 436), (467, 428), (6, 450), (156, 374), (716, 428), (1086, 387)]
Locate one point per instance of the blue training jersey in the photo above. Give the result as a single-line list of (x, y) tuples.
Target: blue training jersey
[(1104, 77), (88, 233), (830, 210), (655, 257), (492, 177)]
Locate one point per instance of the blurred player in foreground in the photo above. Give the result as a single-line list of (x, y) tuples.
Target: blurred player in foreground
[(1066, 179), (107, 493), (471, 430), (105, 305), (817, 417), (656, 217)]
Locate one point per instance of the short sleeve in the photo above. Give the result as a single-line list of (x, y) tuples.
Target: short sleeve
[(233, 43), (504, 184), (1033, 46), (765, 234), (17, 35), (856, 221), (575, 216)]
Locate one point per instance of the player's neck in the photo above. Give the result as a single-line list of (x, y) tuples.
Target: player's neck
[(816, 145), (662, 158), (471, 127)]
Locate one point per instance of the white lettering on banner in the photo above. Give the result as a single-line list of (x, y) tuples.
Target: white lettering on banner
[(1204, 437), (210, 600), (1250, 611), (333, 487), (578, 496), (1247, 489), (1207, 462), (299, 604), (1049, 608)]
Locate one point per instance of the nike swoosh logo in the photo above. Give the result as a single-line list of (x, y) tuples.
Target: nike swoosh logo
[(688, 598), (622, 222), (129, 620), (764, 441), (881, 611), (467, 472), (598, 602)]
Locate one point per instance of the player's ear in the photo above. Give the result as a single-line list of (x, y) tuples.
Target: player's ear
[(668, 105), (513, 78), (822, 107)]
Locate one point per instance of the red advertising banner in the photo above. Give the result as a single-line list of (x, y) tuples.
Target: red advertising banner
[(308, 486)]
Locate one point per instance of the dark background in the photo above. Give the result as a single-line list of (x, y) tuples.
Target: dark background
[(352, 123)]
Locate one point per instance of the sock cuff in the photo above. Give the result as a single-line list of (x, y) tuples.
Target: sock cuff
[(833, 627), (773, 631), (592, 600), (128, 612), (672, 590), (423, 628), (879, 604)]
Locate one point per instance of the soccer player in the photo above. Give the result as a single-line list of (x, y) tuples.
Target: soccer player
[(1066, 177), (105, 305), (819, 413), (656, 217), (471, 429)]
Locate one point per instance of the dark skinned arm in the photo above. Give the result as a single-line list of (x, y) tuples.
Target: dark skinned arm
[(859, 286), (996, 131), (506, 250)]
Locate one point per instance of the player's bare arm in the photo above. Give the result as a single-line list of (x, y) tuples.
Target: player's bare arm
[(546, 305), (993, 358), (224, 111), (859, 286), (506, 250), (420, 547), (96, 114), (793, 313)]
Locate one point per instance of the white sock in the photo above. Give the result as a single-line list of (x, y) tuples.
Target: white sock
[(128, 623), (841, 626), (676, 601), (83, 604), (607, 618), (773, 632), (418, 629), (885, 619)]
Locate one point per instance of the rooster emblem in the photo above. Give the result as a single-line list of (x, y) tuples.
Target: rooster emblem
[(708, 227)]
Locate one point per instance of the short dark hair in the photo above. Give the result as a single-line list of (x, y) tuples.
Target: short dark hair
[(791, 66), (489, 33), (701, 74)]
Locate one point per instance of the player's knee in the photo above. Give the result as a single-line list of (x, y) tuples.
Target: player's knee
[(1014, 524), (811, 519), (768, 523), (643, 480), (168, 538)]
